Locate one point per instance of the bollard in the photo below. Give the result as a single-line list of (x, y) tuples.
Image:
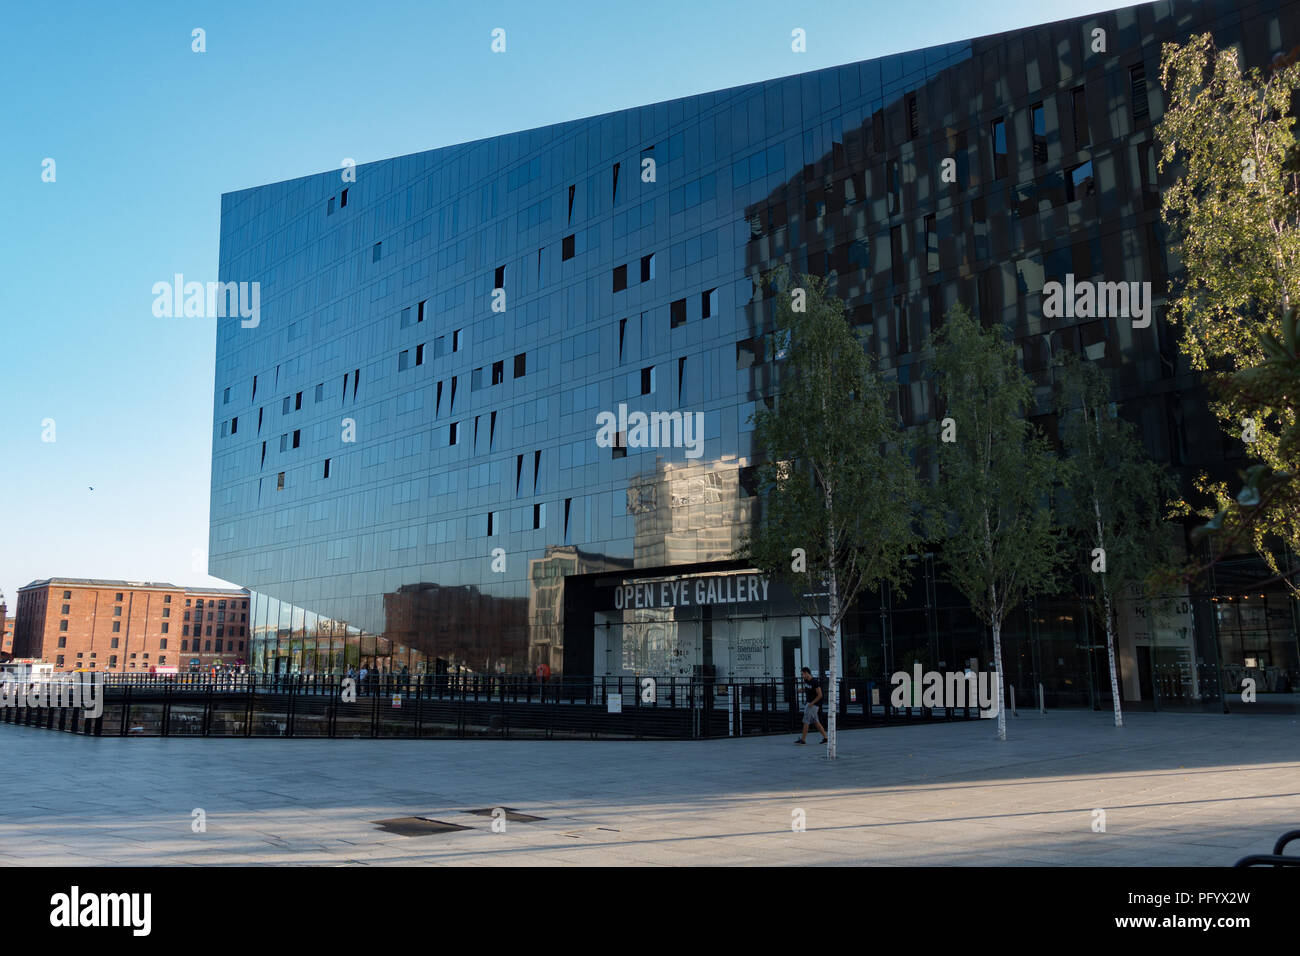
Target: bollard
[(1013, 700), (1042, 705)]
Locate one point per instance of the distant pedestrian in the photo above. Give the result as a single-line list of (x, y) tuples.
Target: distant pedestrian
[(813, 689)]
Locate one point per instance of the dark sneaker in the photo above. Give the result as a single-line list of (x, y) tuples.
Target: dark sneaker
[(825, 740), (801, 741)]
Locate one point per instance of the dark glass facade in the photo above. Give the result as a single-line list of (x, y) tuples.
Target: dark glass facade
[(418, 482)]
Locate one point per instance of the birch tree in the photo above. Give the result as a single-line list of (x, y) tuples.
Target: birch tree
[(991, 506), (1114, 497), (837, 486), (1234, 211)]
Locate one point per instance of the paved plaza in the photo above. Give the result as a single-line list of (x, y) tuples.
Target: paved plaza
[(1199, 790)]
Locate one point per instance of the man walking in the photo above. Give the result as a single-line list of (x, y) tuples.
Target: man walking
[(813, 688)]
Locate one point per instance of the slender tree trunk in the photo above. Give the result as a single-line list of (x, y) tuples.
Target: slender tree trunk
[(995, 619), (999, 700), (1110, 649), (832, 690), (1110, 624)]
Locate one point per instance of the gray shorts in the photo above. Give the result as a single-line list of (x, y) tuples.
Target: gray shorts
[(810, 714)]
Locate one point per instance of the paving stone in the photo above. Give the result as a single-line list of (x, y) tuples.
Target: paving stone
[(1177, 790)]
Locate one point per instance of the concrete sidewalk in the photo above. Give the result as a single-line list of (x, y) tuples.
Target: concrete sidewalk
[(1176, 790)]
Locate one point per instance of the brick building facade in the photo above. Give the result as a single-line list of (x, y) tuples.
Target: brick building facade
[(123, 627)]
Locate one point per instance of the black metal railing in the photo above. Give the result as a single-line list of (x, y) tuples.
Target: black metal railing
[(1276, 858), (462, 705)]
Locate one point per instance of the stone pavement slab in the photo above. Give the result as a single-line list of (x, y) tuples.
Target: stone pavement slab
[(1175, 790)]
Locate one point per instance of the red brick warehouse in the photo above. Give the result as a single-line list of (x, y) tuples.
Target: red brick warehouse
[(130, 626)]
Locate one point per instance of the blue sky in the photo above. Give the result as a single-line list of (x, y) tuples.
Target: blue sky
[(146, 136)]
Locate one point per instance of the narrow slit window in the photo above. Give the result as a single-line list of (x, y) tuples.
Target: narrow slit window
[(1038, 119), (567, 246), (998, 137), (1137, 81), (620, 278), (1079, 114), (677, 313)]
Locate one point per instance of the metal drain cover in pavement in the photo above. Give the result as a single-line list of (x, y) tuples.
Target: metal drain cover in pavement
[(417, 826), (513, 815)]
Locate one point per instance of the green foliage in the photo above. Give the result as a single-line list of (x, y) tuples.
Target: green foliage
[(1235, 213), (837, 482), (1115, 495), (1269, 500), (991, 503)]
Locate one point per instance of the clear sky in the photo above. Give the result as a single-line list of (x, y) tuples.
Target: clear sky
[(146, 135)]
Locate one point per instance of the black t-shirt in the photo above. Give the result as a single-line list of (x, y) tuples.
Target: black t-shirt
[(811, 686)]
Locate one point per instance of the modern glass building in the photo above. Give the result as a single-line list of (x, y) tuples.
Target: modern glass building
[(407, 466)]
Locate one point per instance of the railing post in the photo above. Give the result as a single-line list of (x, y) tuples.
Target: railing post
[(248, 706), (166, 712), (294, 687)]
